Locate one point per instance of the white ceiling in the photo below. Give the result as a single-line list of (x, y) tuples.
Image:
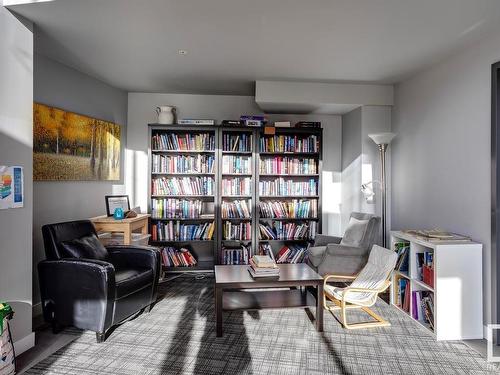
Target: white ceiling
[(133, 44)]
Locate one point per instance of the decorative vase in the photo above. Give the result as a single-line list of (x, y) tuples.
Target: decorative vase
[(166, 114)]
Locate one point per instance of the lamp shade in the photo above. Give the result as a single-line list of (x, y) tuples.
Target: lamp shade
[(382, 138)]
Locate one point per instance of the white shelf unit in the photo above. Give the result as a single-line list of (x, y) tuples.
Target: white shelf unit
[(458, 286)]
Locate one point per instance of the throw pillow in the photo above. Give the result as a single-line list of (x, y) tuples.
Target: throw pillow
[(355, 232), (88, 247)]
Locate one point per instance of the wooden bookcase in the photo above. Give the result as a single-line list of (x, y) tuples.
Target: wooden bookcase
[(210, 252), (457, 285)]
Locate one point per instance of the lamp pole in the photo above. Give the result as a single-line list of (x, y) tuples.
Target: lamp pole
[(382, 140), (382, 148)]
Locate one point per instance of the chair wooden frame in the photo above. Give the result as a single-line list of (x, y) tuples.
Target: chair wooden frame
[(343, 305)]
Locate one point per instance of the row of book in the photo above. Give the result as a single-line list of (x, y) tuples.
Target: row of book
[(425, 259), (402, 299), (266, 249), (288, 165), (423, 307), (236, 164), (236, 209), (172, 257), (403, 250), (293, 209), (183, 186), (182, 163), (287, 231), (291, 254), (237, 186), (289, 143), (173, 208), (171, 231), (183, 142), (287, 187), (240, 231), (235, 255), (237, 142)]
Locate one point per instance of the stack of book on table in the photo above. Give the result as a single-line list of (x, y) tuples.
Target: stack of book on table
[(263, 266)]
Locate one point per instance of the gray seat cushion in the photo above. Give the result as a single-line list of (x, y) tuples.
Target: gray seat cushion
[(316, 254)]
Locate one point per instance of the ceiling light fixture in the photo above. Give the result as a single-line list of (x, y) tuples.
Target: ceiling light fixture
[(182, 52)]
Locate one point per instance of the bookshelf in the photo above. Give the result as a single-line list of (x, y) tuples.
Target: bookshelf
[(444, 277), (228, 181), (183, 194), (288, 192)]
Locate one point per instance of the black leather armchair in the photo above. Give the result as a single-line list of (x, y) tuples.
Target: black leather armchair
[(100, 290)]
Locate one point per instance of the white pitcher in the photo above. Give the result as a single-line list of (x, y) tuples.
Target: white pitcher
[(166, 114)]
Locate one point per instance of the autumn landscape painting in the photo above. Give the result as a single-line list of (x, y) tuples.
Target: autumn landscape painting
[(69, 147)]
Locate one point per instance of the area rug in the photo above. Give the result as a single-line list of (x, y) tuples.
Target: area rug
[(178, 337)]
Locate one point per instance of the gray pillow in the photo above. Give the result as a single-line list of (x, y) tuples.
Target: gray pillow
[(355, 232), (88, 247)]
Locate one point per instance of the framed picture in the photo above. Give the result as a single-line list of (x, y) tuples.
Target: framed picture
[(116, 201), (72, 147)]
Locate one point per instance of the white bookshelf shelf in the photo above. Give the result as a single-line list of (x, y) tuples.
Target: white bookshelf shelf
[(458, 292)]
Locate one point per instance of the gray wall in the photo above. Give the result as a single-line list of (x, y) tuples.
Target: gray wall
[(16, 145), (441, 156), (361, 160), (141, 112), (63, 87)]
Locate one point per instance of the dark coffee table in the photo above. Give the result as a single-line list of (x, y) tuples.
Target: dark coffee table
[(232, 284)]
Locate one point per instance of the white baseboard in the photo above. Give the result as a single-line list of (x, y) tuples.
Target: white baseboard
[(27, 342), (37, 309)]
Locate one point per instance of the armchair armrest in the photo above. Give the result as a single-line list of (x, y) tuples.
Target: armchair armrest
[(142, 256), (75, 289), (350, 289), (323, 240), (343, 250)]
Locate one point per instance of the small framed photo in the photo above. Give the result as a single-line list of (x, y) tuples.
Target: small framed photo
[(116, 201)]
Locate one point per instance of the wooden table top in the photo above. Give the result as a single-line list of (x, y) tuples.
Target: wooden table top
[(109, 219), (289, 273)]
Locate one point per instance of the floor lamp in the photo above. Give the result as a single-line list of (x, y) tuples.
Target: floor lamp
[(383, 140)]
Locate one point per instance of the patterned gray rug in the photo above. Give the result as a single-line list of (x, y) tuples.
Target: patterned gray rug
[(178, 337)]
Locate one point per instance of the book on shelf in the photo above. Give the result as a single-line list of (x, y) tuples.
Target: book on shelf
[(183, 186), (308, 124), (289, 143), (288, 187), (172, 257), (253, 120), (288, 165), (235, 255), (236, 186), (423, 307), (236, 209), (266, 249), (175, 231), (287, 231), (236, 164), (293, 209), (282, 124), (403, 250), (424, 259), (192, 121), (231, 123), (437, 235), (182, 163), (239, 231), (178, 208), (291, 254), (403, 294), (183, 142), (241, 142), (263, 261)]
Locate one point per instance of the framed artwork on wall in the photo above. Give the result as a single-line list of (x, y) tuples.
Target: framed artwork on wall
[(72, 147)]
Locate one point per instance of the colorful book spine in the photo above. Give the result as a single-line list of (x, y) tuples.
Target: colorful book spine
[(182, 164), (288, 187), (287, 231), (237, 186), (288, 165), (172, 208), (183, 142), (175, 231), (290, 143), (183, 186), (172, 257), (236, 209), (236, 255), (241, 142), (294, 209), (236, 164), (237, 231)]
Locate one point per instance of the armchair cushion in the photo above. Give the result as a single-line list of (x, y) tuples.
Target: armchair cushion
[(88, 247), (316, 255), (323, 240), (344, 250), (355, 232), (130, 280)]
